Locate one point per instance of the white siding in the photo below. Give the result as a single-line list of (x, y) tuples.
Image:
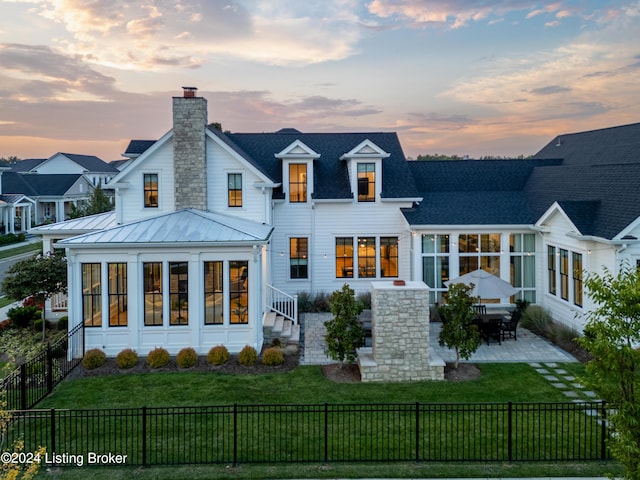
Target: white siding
[(322, 224), (130, 202), (59, 164), (219, 164)]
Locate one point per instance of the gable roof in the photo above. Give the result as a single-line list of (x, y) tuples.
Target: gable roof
[(182, 227), (27, 164), (472, 192), (601, 200), (77, 226), (35, 185), (91, 163), (612, 145), (331, 177)]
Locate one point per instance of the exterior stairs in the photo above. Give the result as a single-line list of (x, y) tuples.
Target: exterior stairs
[(276, 326)]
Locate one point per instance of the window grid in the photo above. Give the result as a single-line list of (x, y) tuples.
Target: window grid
[(388, 257), (366, 182), (235, 189), (564, 274), (179, 293), (91, 295), (238, 291), (366, 257), (344, 257), (576, 260), (117, 294), (213, 293), (151, 190), (298, 257), (551, 268), (435, 264), (152, 278), (298, 182), (523, 265)]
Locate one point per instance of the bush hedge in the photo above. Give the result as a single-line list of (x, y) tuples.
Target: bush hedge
[(272, 357), (158, 358), (248, 356), (94, 358), (127, 358), (218, 355), (186, 358)]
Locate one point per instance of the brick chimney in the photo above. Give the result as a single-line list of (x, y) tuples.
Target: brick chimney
[(189, 150)]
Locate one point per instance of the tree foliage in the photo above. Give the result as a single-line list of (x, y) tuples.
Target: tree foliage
[(345, 333), (98, 203), (40, 276), (612, 336), (457, 330)]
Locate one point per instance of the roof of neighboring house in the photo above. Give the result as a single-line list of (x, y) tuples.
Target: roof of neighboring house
[(137, 147), (612, 145), (35, 185), (188, 226), (27, 164), (11, 199), (119, 163), (78, 226), (91, 163), (331, 178)]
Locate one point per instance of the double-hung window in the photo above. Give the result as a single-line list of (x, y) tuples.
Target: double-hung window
[(298, 182), (366, 182), (152, 279), (91, 295), (117, 294), (299, 257), (150, 190), (344, 257), (235, 189)]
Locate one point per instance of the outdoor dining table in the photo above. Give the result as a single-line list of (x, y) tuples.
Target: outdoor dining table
[(490, 324)]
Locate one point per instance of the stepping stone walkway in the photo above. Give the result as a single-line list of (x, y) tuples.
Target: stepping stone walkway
[(564, 381)]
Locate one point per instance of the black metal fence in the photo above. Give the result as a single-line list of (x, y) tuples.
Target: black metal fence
[(36, 377), (232, 434)]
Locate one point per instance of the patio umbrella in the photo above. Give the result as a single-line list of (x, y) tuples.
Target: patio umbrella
[(485, 284)]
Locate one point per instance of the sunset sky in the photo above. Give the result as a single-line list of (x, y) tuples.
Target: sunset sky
[(465, 77)]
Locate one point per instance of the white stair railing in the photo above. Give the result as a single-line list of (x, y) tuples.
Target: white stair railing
[(282, 303)]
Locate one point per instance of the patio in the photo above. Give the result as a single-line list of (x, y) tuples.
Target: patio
[(528, 348)]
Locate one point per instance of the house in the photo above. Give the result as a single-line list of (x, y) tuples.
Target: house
[(40, 198), (96, 170), (214, 230)]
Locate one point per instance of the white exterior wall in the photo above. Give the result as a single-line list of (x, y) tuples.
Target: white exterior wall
[(322, 223), (130, 200), (59, 164), (254, 201), (196, 334)]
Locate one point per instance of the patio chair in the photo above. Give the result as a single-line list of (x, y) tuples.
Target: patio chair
[(480, 310), (492, 330), (510, 326)]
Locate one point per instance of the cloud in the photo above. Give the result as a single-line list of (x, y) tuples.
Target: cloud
[(156, 34), (438, 121), (550, 90), (449, 13)]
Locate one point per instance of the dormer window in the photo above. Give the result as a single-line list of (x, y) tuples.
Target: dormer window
[(298, 182), (366, 182)]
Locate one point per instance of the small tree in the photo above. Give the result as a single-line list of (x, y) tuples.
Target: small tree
[(612, 336), (40, 276), (98, 203), (457, 330), (345, 333)]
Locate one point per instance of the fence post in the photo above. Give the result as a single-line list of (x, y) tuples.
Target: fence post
[(417, 431), (510, 433), (144, 436), (326, 432), (603, 434), (53, 430), (49, 357), (23, 386), (235, 434)]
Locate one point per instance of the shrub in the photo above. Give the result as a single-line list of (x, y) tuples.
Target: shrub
[(187, 358), (321, 302), (248, 356), (63, 323), (364, 299), (305, 304), (536, 319), (23, 316), (37, 324), (94, 358), (218, 355), (158, 358), (127, 358), (345, 334), (272, 357)]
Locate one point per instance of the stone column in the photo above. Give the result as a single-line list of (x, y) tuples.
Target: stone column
[(400, 335)]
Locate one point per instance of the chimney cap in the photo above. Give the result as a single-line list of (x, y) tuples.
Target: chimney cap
[(189, 91)]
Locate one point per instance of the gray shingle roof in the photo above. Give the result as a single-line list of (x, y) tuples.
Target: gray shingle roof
[(34, 185), (91, 163), (27, 164), (331, 179), (138, 147)]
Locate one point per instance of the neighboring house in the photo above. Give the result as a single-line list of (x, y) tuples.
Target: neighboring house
[(210, 226), (97, 171), (46, 197)]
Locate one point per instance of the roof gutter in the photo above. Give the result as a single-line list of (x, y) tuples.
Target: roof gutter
[(164, 245)]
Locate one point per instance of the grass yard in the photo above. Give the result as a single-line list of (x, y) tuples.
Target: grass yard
[(498, 382), (31, 247)]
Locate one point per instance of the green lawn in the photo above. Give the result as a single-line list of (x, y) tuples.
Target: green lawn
[(498, 382), (31, 247)]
